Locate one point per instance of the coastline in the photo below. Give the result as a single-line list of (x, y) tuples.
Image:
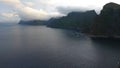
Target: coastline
[(103, 37)]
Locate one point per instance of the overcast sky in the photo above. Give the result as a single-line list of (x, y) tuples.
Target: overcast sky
[(14, 10)]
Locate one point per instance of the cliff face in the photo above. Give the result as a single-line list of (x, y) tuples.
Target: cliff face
[(108, 22), (75, 20)]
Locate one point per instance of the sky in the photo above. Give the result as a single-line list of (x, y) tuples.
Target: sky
[(15, 10)]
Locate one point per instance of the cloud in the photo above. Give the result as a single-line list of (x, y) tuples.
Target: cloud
[(26, 12), (15, 3), (11, 1), (8, 17), (30, 4), (66, 10)]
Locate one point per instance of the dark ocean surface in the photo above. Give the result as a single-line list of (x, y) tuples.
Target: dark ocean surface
[(43, 47)]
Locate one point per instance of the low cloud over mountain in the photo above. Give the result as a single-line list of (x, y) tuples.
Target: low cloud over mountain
[(44, 9)]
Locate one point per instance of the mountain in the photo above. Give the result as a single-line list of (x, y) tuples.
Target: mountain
[(32, 22), (81, 21), (108, 22), (75, 20)]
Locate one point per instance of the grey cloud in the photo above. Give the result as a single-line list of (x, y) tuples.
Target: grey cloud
[(25, 12), (8, 17), (66, 10)]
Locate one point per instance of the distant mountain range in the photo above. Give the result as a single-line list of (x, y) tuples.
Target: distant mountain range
[(107, 23), (32, 22), (75, 20)]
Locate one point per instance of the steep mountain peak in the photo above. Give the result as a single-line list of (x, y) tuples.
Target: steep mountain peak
[(111, 5)]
